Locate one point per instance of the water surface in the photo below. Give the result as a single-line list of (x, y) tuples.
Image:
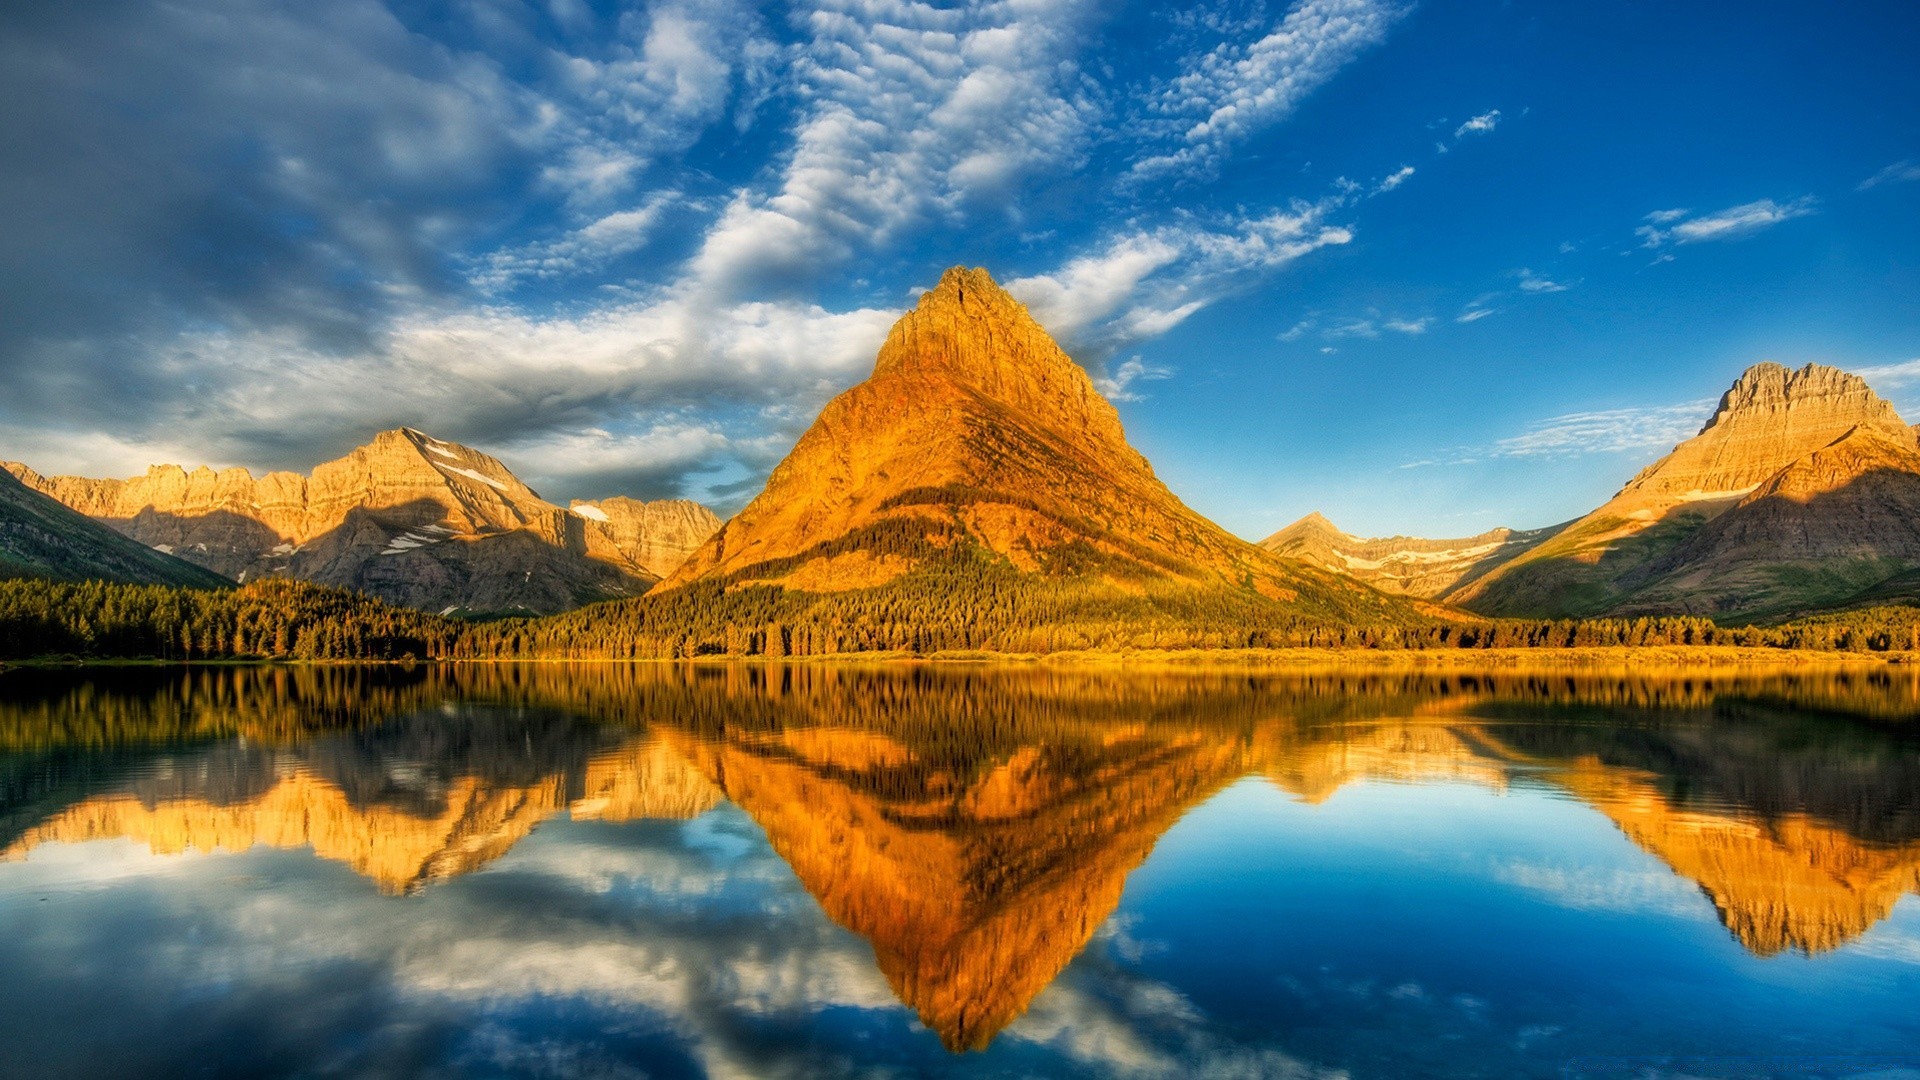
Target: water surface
[(812, 871)]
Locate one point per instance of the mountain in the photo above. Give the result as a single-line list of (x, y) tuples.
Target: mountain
[(407, 518), (980, 456), (41, 538), (1800, 493), (1763, 512), (1402, 564)]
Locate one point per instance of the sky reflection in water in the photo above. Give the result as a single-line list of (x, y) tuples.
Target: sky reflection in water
[(753, 872)]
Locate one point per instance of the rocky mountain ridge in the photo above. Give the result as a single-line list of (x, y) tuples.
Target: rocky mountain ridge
[(1406, 565), (408, 518)]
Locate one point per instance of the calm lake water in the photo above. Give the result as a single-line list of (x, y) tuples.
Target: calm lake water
[(609, 871)]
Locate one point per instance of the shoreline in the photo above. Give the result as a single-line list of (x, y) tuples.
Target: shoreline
[(1585, 658)]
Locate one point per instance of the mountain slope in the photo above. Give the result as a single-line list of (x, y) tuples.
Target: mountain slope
[(407, 518), (979, 447), (1819, 532), (41, 538), (1769, 420), (1405, 565)]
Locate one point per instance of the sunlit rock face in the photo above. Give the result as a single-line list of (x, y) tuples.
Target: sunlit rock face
[(1796, 470), (655, 536), (408, 518), (976, 429)]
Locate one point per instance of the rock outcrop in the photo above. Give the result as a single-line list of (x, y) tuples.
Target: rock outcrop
[(407, 518)]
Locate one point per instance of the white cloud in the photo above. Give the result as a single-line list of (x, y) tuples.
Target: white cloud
[(589, 247), (913, 113), (1892, 376), (1479, 125), (1474, 314), (1900, 172), (1352, 328), (1674, 226), (601, 396), (1146, 282), (1236, 89), (1599, 432), (1534, 283), (1117, 384), (1409, 326), (1394, 180), (1607, 431)]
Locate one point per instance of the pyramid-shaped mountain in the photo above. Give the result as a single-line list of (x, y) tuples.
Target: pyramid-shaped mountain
[(408, 518), (978, 447)]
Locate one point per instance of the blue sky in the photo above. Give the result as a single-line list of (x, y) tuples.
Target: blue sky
[(1427, 267)]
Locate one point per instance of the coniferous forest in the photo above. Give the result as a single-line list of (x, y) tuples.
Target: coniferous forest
[(1002, 612)]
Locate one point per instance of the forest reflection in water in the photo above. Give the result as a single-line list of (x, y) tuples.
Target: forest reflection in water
[(976, 826)]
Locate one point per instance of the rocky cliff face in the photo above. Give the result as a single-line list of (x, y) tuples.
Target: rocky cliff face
[(1768, 419), (976, 429), (1405, 565), (408, 518), (1792, 497), (655, 536)]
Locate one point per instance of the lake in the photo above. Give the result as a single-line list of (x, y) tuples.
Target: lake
[(756, 870)]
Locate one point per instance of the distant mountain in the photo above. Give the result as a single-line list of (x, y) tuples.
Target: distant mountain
[(40, 538), (1801, 492), (1405, 565), (407, 518), (979, 447)]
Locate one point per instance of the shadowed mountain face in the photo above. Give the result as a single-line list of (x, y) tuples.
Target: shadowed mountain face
[(40, 538), (977, 828), (407, 518), (1797, 495), (977, 436)]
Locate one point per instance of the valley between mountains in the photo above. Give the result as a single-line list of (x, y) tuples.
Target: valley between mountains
[(978, 492)]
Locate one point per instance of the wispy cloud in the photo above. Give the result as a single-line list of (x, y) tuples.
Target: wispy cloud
[(1394, 179), (1675, 226), (1600, 432), (913, 113), (1891, 376), (1118, 381), (1236, 89), (1533, 283), (1474, 312), (1409, 326), (1479, 125), (1143, 283), (1900, 172)]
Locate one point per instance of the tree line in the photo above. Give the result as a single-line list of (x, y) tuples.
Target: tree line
[(967, 604)]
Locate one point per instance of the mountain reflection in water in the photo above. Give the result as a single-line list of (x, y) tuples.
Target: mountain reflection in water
[(976, 826)]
